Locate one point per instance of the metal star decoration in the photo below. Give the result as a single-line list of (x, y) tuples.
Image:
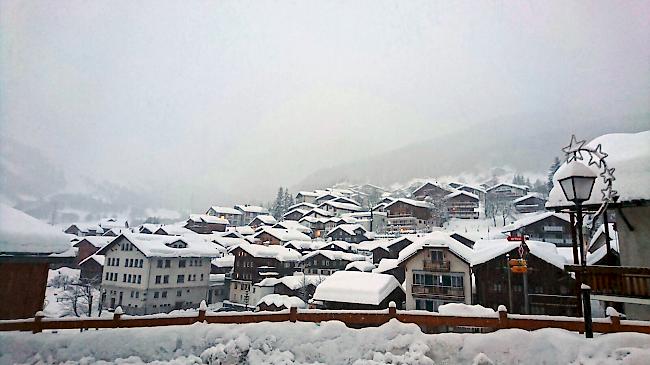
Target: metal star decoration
[(573, 149), (597, 156), (608, 175)]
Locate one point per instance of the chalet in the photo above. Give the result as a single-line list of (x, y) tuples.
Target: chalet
[(249, 212), (430, 191), (545, 227), (437, 272), (253, 263), (303, 246), (233, 215), (263, 220), (480, 192), (325, 262), (409, 216), (278, 236), (218, 288), (371, 221), (358, 290), (83, 229), (381, 206), (87, 246), (325, 197), (91, 269), (294, 225), (461, 204), (551, 291), (391, 267), (383, 248), (114, 232), (27, 247), (297, 285), (148, 228), (506, 192), (295, 214), (277, 302), (338, 208), (147, 274), (222, 265), (240, 231), (318, 213), (110, 223), (353, 233), (204, 224), (340, 246), (529, 203), (307, 197)]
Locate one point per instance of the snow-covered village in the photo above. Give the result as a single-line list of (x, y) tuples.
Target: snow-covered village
[(324, 182)]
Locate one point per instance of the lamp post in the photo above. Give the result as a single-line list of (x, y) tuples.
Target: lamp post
[(577, 182)]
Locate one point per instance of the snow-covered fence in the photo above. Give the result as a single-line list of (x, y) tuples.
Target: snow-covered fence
[(429, 322)]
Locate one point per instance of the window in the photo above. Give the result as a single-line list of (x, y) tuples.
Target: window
[(166, 279), (106, 276), (457, 281), (124, 278), (129, 280), (436, 255), (117, 261), (141, 262), (157, 279), (155, 294), (139, 279), (180, 279), (201, 277), (164, 294), (137, 294), (179, 293), (132, 294), (160, 263), (181, 263), (168, 263)]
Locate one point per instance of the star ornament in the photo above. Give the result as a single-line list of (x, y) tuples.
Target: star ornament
[(608, 175), (574, 145), (597, 156)]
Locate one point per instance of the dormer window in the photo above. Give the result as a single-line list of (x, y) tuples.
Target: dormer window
[(177, 244)]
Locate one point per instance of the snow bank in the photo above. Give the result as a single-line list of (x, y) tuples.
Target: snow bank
[(282, 300), (325, 343), (465, 310), (356, 287), (21, 233)]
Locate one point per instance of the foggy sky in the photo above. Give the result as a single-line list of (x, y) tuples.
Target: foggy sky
[(240, 97)]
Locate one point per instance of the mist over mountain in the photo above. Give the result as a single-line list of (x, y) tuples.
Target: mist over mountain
[(524, 143)]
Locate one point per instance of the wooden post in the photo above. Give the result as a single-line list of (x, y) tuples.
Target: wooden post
[(503, 316), (615, 318), (586, 300), (392, 310), (117, 315), (38, 319), (293, 314), (202, 309)]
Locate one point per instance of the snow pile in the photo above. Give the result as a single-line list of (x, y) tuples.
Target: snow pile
[(282, 301), (356, 287), (464, 310), (325, 343), (21, 233)]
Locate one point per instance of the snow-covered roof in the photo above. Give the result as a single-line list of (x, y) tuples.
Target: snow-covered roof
[(386, 264), (282, 301), (309, 193), (346, 246), (174, 230), (601, 231), (226, 261), (629, 155), (436, 239), (335, 255), (412, 202), (266, 219), (320, 211), (520, 187), (533, 218), (295, 225), (304, 245), (528, 196), (217, 278), (460, 192), (96, 241), (153, 245), (108, 223), (204, 218), (303, 205), (283, 235), (371, 245), (365, 266), (277, 252), (252, 209), (23, 234), (347, 228), (486, 250), (97, 258), (243, 230), (343, 206), (151, 227), (293, 282), (228, 241), (433, 183), (224, 210), (356, 287)]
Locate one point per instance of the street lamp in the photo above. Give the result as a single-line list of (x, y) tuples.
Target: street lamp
[(577, 182)]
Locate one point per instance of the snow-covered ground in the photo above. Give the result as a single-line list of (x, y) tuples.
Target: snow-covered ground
[(326, 343)]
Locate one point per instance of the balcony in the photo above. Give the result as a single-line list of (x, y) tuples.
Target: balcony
[(440, 291), (623, 281), (443, 266)]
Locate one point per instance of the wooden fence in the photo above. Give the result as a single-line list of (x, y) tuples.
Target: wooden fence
[(429, 322)]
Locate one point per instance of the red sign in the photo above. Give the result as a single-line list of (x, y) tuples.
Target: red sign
[(515, 238), (519, 269)]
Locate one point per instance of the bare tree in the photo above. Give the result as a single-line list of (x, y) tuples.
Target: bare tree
[(79, 296)]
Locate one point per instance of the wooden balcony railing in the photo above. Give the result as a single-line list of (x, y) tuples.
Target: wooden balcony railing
[(438, 290), (436, 265), (622, 281)]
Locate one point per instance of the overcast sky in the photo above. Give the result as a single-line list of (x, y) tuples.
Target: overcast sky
[(237, 95)]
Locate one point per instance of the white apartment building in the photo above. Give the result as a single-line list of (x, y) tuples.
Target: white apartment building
[(147, 274)]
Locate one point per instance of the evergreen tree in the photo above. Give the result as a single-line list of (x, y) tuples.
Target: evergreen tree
[(551, 171), (276, 208), (287, 201)]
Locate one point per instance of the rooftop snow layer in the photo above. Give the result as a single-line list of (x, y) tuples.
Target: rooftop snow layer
[(533, 218), (273, 251), (335, 255), (283, 235), (486, 250), (153, 245), (282, 301), (356, 287), (436, 239), (21, 233), (364, 266), (293, 225)]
